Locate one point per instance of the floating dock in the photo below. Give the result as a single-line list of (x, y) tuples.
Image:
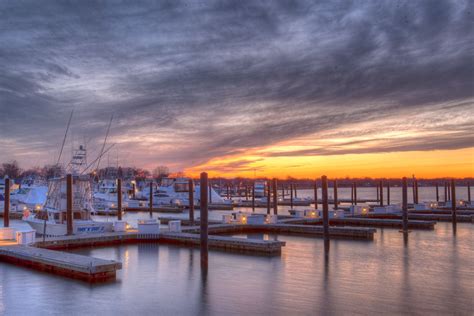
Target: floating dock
[(365, 222), (254, 246), (305, 230), (427, 217), (67, 264)]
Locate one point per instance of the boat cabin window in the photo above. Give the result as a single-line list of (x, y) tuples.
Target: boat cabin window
[(181, 187), (42, 215)]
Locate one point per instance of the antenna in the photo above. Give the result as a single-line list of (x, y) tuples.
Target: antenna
[(65, 136)]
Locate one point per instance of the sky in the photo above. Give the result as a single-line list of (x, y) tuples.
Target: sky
[(242, 88)]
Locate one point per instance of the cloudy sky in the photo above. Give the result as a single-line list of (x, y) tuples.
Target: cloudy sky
[(242, 87)]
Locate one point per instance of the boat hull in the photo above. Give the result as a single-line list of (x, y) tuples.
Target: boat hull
[(55, 229)]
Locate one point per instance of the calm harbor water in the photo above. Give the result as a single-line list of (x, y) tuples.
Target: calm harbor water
[(433, 274)]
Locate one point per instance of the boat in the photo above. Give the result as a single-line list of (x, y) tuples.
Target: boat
[(106, 196), (51, 220), (259, 188), (175, 192)]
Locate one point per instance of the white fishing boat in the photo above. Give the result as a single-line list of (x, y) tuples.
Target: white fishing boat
[(51, 220), (260, 187), (106, 196), (175, 191)]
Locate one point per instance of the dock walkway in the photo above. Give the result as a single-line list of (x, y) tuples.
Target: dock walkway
[(71, 265)]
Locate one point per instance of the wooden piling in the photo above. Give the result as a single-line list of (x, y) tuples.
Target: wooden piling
[(453, 205), (335, 195), (228, 192), (150, 200), (210, 192), (296, 191), (282, 192), (69, 197), (355, 193), (191, 201), (352, 194), (469, 192), (133, 190), (405, 205), (315, 194), (416, 191), (388, 192), (378, 194), (275, 197), (119, 199), (269, 197), (445, 192), (437, 192), (381, 192), (291, 196), (449, 191), (204, 220), (246, 192), (253, 197), (324, 185), (6, 209)]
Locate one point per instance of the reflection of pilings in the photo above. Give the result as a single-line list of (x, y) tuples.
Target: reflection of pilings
[(204, 223), (324, 182), (191, 201), (405, 205), (453, 205), (6, 202), (69, 204)]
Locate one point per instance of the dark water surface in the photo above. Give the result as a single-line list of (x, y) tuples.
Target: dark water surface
[(434, 274)]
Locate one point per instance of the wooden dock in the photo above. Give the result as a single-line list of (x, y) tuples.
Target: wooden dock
[(155, 209), (67, 264), (304, 230), (254, 246), (427, 217), (365, 222)]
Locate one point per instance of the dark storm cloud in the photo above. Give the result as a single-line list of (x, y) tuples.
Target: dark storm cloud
[(215, 78)]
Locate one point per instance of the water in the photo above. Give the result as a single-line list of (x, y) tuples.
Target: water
[(432, 274)]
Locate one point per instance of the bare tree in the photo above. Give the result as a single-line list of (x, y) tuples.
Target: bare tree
[(161, 172), (11, 169)]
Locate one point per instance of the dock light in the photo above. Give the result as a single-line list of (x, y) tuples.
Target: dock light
[(24, 208), (364, 211), (38, 207), (112, 205), (244, 219)]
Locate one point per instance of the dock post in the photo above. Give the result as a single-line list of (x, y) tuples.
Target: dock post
[(246, 192), (253, 197), (469, 192), (381, 192), (405, 205), (335, 195), (324, 185), (275, 197), (296, 191), (150, 200), (283, 192), (204, 222), (453, 205), (416, 191), (378, 194), (355, 193), (352, 194), (191, 201), (119, 199), (449, 191), (69, 204), (6, 210), (228, 192), (269, 197), (437, 192), (388, 192), (133, 190), (445, 192), (291, 196), (210, 192), (315, 194)]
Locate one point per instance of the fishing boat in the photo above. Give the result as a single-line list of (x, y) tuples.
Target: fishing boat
[(106, 196), (51, 220)]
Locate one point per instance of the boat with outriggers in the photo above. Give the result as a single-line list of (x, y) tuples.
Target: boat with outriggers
[(52, 219)]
